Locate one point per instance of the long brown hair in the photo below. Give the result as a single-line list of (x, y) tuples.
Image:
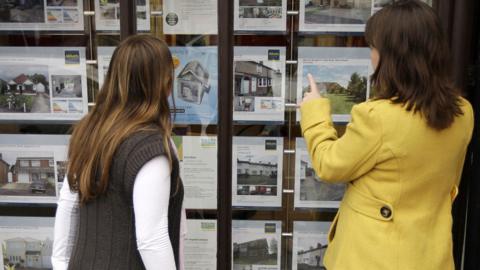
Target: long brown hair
[(415, 65), (134, 97)]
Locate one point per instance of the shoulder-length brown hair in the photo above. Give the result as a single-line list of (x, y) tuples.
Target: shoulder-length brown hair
[(134, 97), (415, 65)]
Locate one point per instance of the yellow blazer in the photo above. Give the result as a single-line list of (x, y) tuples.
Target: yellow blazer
[(402, 179)]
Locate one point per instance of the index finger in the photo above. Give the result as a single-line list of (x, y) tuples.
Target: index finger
[(313, 84)]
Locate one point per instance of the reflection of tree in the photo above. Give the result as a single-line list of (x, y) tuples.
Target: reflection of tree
[(357, 87), (39, 78)]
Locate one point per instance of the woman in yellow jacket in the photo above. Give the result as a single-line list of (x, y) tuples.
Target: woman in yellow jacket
[(402, 153)]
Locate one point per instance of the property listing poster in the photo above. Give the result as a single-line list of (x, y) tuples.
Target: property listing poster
[(311, 191), (195, 88), (196, 84), (32, 167), (310, 241), (201, 245), (104, 56), (256, 244), (341, 75), (339, 15), (334, 15), (198, 170), (259, 84), (186, 17), (257, 167), (41, 15), (42, 83), (26, 242), (107, 15), (260, 15)]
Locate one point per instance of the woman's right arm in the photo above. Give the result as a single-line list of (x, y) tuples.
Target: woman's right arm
[(151, 196), (66, 220)]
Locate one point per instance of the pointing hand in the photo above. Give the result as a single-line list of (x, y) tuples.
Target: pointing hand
[(314, 92)]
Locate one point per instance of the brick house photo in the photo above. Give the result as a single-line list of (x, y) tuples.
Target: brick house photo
[(25, 175), (24, 89)]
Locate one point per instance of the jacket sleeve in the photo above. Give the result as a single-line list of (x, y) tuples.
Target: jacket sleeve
[(341, 159)]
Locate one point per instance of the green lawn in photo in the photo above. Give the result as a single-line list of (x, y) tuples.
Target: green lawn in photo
[(341, 103), (343, 97)]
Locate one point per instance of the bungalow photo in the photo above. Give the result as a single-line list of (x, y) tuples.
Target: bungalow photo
[(27, 253), (27, 174), (310, 253), (193, 82), (264, 9), (24, 89), (258, 251), (337, 11), (257, 175), (255, 79), (344, 85), (313, 189), (22, 11)]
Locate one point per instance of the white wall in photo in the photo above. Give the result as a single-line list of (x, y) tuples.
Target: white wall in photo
[(310, 241), (259, 84), (26, 242), (29, 167), (257, 171)]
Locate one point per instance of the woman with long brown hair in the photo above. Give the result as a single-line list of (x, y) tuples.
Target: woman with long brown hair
[(121, 205), (401, 155)]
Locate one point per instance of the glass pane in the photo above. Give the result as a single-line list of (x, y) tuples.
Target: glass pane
[(190, 30), (276, 44), (48, 79)]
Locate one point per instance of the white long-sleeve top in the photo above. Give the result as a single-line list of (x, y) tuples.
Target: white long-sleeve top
[(151, 194)]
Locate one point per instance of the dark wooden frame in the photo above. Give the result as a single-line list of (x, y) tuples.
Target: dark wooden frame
[(225, 133)]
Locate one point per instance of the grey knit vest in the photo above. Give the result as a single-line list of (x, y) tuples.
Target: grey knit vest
[(106, 230)]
